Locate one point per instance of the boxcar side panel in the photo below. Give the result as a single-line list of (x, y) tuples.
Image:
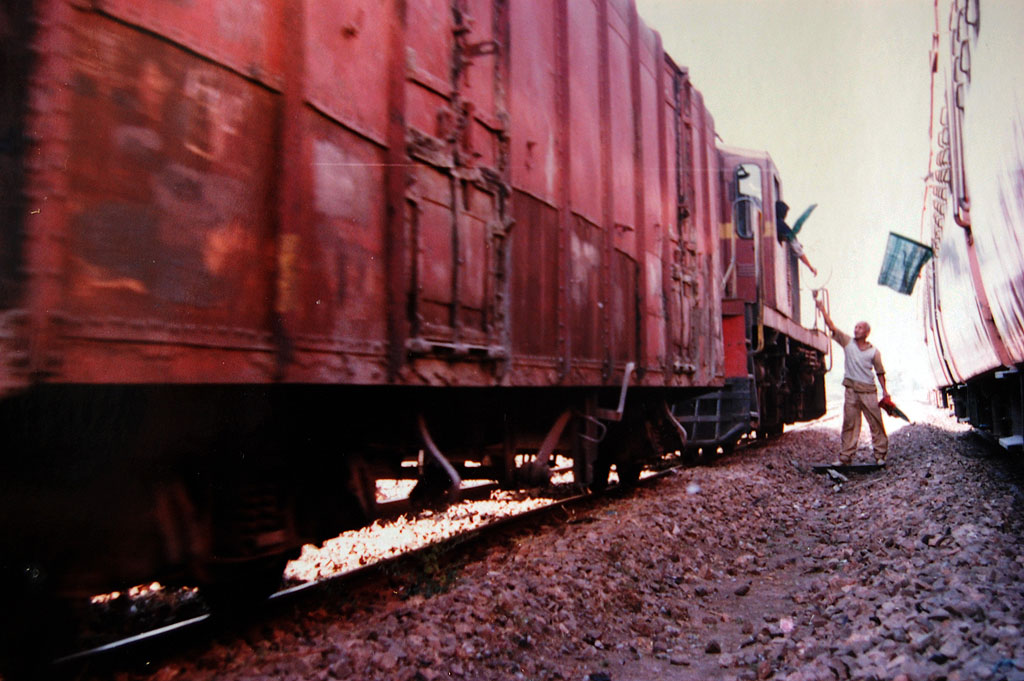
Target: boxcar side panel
[(317, 195), (17, 61), (993, 139), (347, 63), (31, 216), (623, 127), (430, 44), (701, 269), (331, 163), (536, 175), (168, 179), (586, 142), (713, 260), (629, 228), (241, 36), (652, 168), (624, 307), (587, 256), (711, 254), (344, 263), (535, 280), (676, 312), (533, 114)]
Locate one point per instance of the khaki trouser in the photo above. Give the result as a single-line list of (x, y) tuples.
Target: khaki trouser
[(861, 398)]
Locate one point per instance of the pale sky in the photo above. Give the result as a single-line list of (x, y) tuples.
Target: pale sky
[(838, 93)]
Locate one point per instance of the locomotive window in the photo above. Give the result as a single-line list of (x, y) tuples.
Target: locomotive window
[(748, 199), (748, 179)]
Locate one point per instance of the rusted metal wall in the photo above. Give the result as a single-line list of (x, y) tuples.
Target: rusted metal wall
[(652, 198), (602, 154), (169, 220), (674, 215), (17, 62), (705, 269), (442, 192)]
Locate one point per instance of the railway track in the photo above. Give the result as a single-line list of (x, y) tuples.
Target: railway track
[(144, 650)]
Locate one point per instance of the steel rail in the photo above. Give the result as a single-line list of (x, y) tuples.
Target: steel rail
[(147, 648)]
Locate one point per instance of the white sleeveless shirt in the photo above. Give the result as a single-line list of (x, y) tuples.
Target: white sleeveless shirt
[(860, 363)]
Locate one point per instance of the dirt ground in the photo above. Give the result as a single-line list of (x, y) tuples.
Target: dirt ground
[(753, 568)]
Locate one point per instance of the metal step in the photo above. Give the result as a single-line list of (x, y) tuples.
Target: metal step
[(851, 468)]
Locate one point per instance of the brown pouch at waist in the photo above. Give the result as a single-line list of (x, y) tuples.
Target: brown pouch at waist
[(859, 387)]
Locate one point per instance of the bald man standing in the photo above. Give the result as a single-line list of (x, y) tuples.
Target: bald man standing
[(862, 364)]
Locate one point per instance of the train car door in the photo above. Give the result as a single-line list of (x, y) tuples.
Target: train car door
[(683, 250), (454, 203)]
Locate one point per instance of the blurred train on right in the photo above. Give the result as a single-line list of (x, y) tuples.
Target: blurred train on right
[(974, 210)]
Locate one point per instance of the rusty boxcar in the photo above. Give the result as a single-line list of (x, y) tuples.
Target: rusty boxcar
[(255, 258), (973, 216)]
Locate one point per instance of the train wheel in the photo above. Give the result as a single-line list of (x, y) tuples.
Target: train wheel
[(629, 472), (241, 588), (700, 455), (602, 469), (433, 489), (360, 504), (36, 624)]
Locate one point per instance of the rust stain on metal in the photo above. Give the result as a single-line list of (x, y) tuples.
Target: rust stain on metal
[(224, 241), (287, 259)]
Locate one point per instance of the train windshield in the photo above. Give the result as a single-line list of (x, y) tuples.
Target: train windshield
[(748, 199)]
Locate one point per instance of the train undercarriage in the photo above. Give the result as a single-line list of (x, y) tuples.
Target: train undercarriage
[(219, 486), (993, 404)]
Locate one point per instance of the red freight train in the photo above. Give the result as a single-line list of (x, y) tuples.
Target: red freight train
[(974, 217), (254, 259)]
